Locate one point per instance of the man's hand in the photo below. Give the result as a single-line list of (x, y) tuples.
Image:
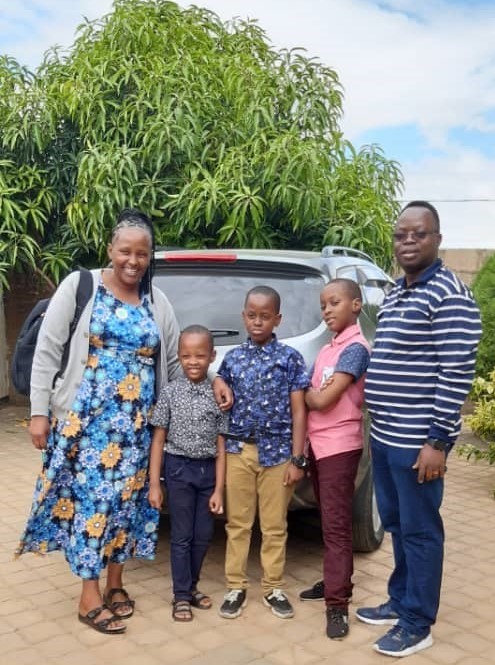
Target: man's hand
[(39, 428), (223, 394), (430, 464)]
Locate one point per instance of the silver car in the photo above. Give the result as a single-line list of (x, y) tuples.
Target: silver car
[(208, 287)]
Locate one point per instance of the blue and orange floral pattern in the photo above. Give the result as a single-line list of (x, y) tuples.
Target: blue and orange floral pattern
[(91, 496)]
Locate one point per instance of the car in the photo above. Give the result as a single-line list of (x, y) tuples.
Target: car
[(208, 287)]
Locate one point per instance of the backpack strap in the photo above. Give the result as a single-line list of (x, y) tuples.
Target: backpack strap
[(83, 295)]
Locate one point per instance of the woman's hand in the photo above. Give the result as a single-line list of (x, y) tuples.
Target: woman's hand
[(39, 428)]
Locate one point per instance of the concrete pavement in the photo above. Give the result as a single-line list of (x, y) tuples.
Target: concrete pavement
[(38, 595)]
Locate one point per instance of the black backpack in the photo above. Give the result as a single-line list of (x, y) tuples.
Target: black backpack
[(22, 358)]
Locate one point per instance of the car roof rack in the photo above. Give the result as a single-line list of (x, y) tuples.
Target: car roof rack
[(336, 250)]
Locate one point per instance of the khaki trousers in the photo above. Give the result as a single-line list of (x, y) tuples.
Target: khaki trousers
[(250, 486)]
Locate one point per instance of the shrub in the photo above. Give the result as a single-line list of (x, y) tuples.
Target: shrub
[(484, 292), (482, 421)]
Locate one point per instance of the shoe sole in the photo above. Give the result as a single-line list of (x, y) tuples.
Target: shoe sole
[(305, 600), (377, 622), (279, 615), (424, 644), (233, 615)]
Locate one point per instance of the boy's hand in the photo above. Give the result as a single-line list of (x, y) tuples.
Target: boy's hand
[(155, 496), (293, 475), (223, 394), (326, 383), (216, 503)]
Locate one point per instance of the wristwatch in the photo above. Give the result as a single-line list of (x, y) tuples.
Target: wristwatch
[(437, 444), (299, 461)]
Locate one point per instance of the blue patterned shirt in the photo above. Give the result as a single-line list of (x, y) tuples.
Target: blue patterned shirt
[(262, 379)]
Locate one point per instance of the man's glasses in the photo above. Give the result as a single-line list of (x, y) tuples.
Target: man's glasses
[(415, 235)]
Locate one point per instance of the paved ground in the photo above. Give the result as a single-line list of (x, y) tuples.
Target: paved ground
[(38, 596)]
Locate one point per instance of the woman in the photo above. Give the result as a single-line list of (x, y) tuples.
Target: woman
[(91, 496)]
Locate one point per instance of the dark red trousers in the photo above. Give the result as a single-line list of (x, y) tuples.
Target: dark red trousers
[(333, 482)]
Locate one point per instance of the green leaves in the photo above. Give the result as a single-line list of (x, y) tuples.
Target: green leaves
[(223, 139)]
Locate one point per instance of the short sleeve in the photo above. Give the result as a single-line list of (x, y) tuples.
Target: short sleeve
[(353, 360), (298, 376), (160, 416), (224, 370), (223, 420)]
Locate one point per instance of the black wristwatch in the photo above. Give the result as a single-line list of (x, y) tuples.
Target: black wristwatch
[(437, 444), (299, 461)]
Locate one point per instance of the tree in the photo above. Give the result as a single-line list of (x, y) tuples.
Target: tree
[(484, 293), (224, 140)]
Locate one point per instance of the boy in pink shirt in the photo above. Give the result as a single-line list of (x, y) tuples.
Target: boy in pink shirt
[(335, 432)]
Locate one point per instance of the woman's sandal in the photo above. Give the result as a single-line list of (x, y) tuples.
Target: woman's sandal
[(200, 600), (118, 607), (102, 626), (181, 610)]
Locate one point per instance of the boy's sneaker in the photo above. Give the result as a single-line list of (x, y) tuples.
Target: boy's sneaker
[(316, 592), (383, 615), (337, 622), (234, 602), (399, 642), (278, 602)]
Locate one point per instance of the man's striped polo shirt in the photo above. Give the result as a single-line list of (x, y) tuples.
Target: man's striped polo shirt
[(422, 362)]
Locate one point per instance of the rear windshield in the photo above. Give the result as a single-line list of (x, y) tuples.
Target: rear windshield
[(213, 296)]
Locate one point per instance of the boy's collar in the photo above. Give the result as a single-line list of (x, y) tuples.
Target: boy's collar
[(346, 334), (267, 345)]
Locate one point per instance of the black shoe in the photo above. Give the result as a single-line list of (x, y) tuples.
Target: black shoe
[(234, 602), (279, 604), (337, 622), (316, 592)]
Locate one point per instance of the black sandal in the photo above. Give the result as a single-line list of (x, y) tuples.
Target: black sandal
[(116, 605), (181, 610), (200, 600), (101, 626)]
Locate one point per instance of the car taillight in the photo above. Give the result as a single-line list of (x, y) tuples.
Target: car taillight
[(200, 256)]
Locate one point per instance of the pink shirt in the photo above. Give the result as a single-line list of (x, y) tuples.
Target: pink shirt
[(339, 428)]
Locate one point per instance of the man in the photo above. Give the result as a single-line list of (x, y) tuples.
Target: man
[(420, 372)]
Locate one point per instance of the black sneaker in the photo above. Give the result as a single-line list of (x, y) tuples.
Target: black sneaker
[(316, 592), (337, 622), (234, 602), (279, 604)]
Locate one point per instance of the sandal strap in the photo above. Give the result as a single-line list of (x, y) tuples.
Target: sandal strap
[(128, 602), (94, 614)]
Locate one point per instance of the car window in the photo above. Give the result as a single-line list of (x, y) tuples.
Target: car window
[(214, 295)]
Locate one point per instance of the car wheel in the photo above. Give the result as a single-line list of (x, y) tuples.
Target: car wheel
[(367, 529)]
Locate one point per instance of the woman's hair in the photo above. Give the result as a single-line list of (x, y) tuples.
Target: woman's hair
[(133, 218)]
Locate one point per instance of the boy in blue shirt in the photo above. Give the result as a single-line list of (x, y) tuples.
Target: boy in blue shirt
[(264, 450)]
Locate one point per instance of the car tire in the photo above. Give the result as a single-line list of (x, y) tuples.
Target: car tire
[(367, 529)]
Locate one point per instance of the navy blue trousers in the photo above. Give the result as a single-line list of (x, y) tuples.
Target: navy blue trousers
[(411, 513), (190, 483)]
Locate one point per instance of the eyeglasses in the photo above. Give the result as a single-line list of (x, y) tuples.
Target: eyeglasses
[(415, 235)]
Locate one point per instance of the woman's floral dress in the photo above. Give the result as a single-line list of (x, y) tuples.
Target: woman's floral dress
[(91, 496)]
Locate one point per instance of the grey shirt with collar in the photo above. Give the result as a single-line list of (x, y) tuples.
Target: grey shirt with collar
[(191, 416)]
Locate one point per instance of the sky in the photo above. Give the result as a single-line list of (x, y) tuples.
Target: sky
[(418, 79)]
